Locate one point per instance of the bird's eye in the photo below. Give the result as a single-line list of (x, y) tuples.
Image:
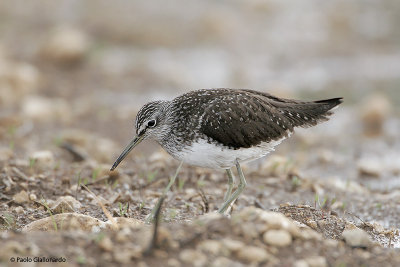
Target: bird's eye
[(151, 123)]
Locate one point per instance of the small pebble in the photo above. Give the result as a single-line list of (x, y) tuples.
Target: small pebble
[(210, 247), (279, 238), (122, 255), (252, 254), (32, 197), (375, 110), (106, 244), (66, 45), (142, 264), (19, 210), (46, 109), (232, 245), (42, 159), (65, 204), (21, 197), (5, 153), (193, 257), (356, 238), (370, 167), (316, 261), (300, 263), (223, 262), (161, 254), (173, 263)]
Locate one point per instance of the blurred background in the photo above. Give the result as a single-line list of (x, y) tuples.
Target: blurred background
[(80, 70)]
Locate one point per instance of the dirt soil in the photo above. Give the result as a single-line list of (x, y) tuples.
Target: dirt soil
[(73, 78)]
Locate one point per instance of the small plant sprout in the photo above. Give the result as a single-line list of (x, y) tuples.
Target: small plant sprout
[(58, 141), (57, 165), (81, 259), (95, 174), (187, 206), (123, 209), (295, 181), (9, 220), (200, 183), (288, 165), (150, 176), (11, 145), (44, 203), (152, 214), (98, 237), (324, 202), (11, 130), (317, 201), (333, 201), (141, 205), (114, 184), (275, 166), (181, 183), (32, 162), (172, 214)]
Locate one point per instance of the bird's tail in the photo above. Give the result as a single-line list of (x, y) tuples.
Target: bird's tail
[(306, 114)]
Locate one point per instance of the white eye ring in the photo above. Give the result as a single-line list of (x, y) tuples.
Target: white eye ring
[(151, 123)]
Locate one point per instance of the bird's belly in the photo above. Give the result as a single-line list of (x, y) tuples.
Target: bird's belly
[(203, 154)]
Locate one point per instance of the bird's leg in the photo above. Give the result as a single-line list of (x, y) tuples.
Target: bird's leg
[(235, 195), (150, 217), (231, 181)]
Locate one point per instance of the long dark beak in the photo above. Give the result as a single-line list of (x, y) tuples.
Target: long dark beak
[(126, 151)]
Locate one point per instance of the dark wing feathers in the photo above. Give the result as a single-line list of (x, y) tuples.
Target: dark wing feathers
[(244, 118), (307, 114)]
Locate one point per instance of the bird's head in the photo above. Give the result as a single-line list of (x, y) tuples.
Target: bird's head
[(150, 124)]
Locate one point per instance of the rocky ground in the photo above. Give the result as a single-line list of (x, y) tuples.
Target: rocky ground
[(73, 78), (46, 213)]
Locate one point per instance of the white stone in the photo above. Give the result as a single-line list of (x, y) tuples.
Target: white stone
[(21, 197), (370, 167), (223, 262), (232, 245), (316, 261), (66, 45), (32, 197), (356, 238), (210, 247), (64, 221), (65, 204), (43, 159), (278, 238), (193, 257), (276, 220), (252, 254), (300, 263), (46, 109), (19, 210)]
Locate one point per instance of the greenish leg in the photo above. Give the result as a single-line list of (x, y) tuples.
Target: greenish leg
[(235, 195), (231, 181), (150, 217)]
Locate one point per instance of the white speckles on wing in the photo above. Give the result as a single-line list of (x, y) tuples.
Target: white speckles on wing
[(212, 128)]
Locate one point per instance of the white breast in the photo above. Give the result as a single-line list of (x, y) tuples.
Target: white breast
[(204, 154)]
